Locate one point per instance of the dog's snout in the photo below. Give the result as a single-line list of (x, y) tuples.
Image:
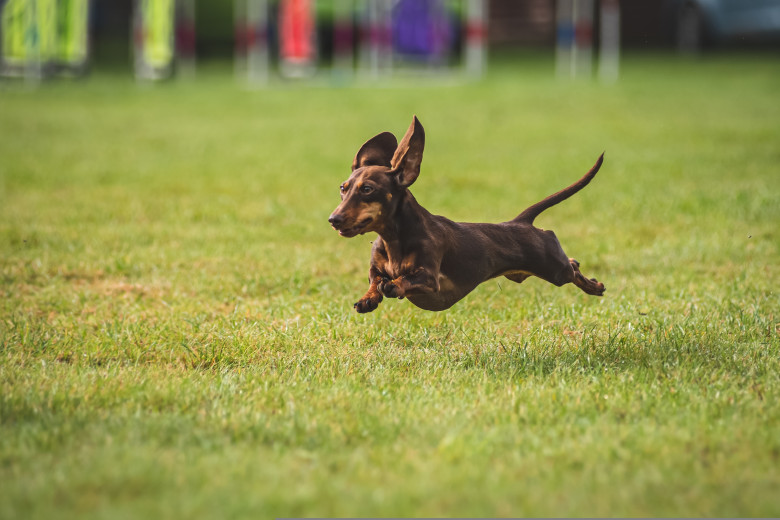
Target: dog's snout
[(336, 220)]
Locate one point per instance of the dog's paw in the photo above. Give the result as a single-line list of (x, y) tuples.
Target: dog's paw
[(595, 287), (365, 305), (390, 289)]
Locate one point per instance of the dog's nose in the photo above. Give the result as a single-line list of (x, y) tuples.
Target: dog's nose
[(336, 220)]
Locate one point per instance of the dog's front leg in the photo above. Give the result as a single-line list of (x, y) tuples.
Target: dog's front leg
[(421, 280), (373, 296)]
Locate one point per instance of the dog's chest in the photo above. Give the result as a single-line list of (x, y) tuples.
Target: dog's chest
[(446, 286), (395, 268), (448, 295)]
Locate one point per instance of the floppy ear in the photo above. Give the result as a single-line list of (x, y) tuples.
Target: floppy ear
[(378, 151), (408, 156)]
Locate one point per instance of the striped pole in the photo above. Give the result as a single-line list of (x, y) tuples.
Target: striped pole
[(343, 35), (574, 38), (564, 38), (583, 38), (376, 53), (185, 37), (251, 36), (476, 38)]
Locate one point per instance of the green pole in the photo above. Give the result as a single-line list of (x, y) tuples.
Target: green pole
[(158, 22), (73, 39), (15, 20)]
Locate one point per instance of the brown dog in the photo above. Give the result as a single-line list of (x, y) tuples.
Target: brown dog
[(429, 259)]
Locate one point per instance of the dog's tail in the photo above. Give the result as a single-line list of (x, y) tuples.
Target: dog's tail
[(532, 212)]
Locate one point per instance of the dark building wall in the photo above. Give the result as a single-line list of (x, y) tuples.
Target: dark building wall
[(532, 23), (521, 22)]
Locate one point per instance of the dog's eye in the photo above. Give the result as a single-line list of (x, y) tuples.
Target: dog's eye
[(342, 188), (365, 189)]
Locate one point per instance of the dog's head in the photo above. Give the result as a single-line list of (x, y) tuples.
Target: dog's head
[(381, 172)]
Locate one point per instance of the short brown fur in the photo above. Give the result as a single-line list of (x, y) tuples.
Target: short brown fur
[(429, 259)]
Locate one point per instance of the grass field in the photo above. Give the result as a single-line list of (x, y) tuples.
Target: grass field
[(176, 327)]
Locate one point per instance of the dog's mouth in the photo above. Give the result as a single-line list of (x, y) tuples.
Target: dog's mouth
[(357, 229)]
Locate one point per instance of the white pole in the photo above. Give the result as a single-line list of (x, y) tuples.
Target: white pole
[(609, 55), (256, 27)]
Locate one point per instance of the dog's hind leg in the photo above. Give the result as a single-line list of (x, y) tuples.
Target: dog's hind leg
[(590, 286), (556, 267)]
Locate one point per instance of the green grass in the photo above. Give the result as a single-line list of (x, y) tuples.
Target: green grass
[(176, 327)]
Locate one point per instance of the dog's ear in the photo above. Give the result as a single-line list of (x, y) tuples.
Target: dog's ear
[(408, 156), (378, 151)]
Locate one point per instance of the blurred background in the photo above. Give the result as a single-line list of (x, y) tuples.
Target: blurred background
[(177, 337), (301, 38)]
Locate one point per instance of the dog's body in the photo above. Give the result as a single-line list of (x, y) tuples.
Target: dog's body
[(429, 259)]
